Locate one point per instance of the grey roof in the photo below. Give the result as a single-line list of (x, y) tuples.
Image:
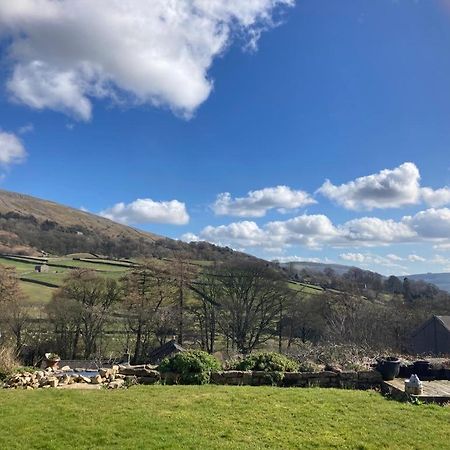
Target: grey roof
[(445, 321), (165, 350)]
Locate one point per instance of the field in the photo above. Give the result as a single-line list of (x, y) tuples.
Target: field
[(213, 417), (33, 284), (39, 287)]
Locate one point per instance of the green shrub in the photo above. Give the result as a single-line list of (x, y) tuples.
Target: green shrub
[(193, 367), (267, 362)]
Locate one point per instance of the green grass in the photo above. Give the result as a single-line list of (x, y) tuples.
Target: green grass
[(37, 294), (20, 266), (304, 287), (213, 417)]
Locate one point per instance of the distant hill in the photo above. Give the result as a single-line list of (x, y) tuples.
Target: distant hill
[(298, 266), (441, 280), (30, 226)]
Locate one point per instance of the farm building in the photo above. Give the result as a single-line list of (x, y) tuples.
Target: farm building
[(433, 337), (168, 349), (41, 268)]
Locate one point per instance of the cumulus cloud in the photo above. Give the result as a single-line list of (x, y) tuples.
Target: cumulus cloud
[(12, 150), (143, 211), (386, 189), (431, 223), (436, 197), (366, 259), (373, 231), (416, 258), (65, 53), (317, 230), (389, 188), (257, 203)]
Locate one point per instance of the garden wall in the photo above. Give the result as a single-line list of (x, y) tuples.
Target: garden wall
[(348, 380)]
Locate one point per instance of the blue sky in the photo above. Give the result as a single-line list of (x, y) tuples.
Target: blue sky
[(227, 98)]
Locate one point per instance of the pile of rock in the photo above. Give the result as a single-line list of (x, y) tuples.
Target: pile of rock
[(110, 378)]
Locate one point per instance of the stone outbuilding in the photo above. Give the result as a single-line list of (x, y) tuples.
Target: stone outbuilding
[(168, 349), (42, 268), (432, 337)]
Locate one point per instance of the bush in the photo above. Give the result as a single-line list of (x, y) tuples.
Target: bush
[(267, 362), (193, 367)]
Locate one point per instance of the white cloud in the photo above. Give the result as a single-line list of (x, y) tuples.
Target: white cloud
[(386, 189), (257, 203), (431, 223), (190, 237), (65, 53), (367, 259), (436, 197), (375, 231), (295, 258), (389, 188), (416, 258), (314, 231), (142, 211), (12, 150), (28, 128)]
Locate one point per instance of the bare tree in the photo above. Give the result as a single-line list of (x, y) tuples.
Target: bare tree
[(13, 304), (96, 296), (209, 290), (147, 290), (253, 295)]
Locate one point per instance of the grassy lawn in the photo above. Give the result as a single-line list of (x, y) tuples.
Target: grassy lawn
[(197, 417)]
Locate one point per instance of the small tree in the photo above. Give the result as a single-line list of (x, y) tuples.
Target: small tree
[(92, 299), (147, 290)]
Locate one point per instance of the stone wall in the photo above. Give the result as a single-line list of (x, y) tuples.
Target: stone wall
[(347, 380)]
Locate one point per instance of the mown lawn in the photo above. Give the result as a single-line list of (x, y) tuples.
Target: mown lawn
[(204, 417)]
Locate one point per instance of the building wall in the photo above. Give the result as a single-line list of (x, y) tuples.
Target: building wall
[(434, 339)]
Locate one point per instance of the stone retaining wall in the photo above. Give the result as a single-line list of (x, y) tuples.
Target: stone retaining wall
[(347, 380)]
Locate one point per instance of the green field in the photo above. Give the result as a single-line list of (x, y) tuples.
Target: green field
[(59, 268), (39, 293), (213, 417)]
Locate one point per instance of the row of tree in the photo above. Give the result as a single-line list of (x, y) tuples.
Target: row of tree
[(233, 307)]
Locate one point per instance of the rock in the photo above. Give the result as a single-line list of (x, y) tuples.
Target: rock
[(65, 379), (52, 382), (83, 379), (332, 368), (104, 372), (97, 379), (66, 369), (116, 384)]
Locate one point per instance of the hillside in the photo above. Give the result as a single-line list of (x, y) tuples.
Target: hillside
[(30, 226), (298, 266), (441, 280)]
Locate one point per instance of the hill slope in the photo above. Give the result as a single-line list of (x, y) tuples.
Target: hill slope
[(441, 280), (30, 225)]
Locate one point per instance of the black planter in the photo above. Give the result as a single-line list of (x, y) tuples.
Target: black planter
[(389, 368), (422, 369)]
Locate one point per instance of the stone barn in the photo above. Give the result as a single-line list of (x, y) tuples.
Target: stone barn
[(433, 336), (168, 349), (41, 268)]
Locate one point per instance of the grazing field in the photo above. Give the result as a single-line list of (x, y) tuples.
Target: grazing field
[(193, 417), (60, 267)]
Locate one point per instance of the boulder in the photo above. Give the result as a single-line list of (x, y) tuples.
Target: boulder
[(97, 379), (52, 382), (116, 384)]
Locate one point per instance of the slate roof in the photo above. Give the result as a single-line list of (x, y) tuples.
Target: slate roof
[(169, 348), (444, 320)]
